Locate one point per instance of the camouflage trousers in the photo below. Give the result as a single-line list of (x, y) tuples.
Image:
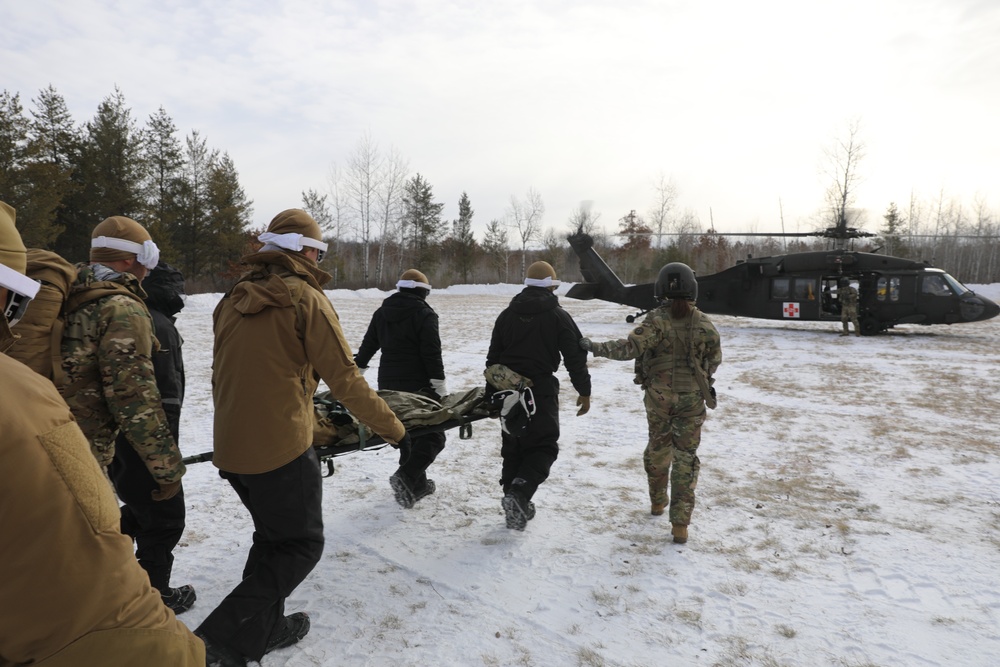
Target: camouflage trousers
[(671, 456), (850, 314)]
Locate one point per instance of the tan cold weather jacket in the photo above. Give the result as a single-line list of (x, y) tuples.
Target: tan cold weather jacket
[(72, 591), (276, 334)]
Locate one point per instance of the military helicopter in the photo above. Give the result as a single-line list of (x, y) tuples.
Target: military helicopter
[(804, 286)]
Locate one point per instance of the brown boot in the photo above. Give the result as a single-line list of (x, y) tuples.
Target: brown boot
[(656, 509), (680, 533)]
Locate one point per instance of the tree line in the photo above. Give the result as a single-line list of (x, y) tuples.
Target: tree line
[(381, 219), (64, 178)]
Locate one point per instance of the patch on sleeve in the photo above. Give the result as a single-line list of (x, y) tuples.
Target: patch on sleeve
[(638, 331), (70, 454)]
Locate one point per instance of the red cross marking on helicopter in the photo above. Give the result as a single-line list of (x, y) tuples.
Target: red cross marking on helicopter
[(790, 309)]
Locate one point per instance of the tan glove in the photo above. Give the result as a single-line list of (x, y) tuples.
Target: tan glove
[(584, 403), (166, 491)]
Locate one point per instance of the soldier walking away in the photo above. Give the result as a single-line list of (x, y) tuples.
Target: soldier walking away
[(677, 350), (405, 328), (531, 337), (276, 336), (72, 591), (848, 297), (157, 526)]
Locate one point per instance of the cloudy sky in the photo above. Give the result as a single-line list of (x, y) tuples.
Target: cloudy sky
[(582, 100)]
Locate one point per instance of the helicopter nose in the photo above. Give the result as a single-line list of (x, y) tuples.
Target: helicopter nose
[(978, 308)]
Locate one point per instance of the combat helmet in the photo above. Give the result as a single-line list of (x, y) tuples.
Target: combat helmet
[(676, 281)]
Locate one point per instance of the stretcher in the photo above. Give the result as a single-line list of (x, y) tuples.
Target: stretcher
[(338, 433)]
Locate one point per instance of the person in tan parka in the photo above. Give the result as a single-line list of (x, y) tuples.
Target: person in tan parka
[(276, 335), (72, 591)]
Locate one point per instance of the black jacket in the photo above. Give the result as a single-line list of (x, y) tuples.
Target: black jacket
[(164, 287), (405, 328), (531, 335)]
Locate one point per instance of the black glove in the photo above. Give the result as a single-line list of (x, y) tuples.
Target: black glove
[(405, 443)]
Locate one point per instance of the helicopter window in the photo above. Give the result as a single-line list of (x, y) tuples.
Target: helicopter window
[(780, 288), (804, 290), (888, 288), (959, 288), (935, 284)]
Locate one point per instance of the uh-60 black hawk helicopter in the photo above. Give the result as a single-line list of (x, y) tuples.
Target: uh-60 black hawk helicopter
[(804, 286)]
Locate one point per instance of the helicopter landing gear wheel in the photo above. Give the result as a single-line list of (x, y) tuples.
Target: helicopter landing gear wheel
[(870, 326)]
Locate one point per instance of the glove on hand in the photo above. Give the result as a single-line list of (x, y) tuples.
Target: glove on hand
[(361, 369), (405, 443), (587, 344), (583, 402), (440, 387), (166, 491)]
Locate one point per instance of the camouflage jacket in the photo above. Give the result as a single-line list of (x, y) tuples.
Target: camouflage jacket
[(107, 351), (849, 298), (665, 348)]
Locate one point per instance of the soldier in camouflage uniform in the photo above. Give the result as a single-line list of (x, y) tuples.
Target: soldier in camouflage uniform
[(107, 349), (848, 307), (677, 350)]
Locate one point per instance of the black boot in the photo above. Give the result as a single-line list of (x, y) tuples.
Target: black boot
[(408, 490), (294, 628), (217, 655), (518, 510), (179, 599)]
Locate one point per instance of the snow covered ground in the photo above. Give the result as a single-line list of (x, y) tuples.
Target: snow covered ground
[(848, 512)]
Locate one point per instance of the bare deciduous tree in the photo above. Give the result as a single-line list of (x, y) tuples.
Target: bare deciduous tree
[(658, 217), (526, 217), (842, 161), (362, 183)]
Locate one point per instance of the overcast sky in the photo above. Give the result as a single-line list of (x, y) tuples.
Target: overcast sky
[(735, 102)]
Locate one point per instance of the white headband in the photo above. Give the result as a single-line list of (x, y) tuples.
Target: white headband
[(145, 253), (291, 241), (547, 281), (410, 284), (18, 282)]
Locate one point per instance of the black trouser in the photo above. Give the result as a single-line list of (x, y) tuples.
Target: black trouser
[(415, 460), (155, 526), (287, 510), (531, 456)]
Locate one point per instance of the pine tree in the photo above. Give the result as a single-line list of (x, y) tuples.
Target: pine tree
[(54, 151), (497, 248), (891, 233), (228, 214), (422, 219), (14, 189), (163, 184), (110, 176), (191, 236), (463, 240)]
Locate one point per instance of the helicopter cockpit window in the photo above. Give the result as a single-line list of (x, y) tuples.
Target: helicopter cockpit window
[(959, 288), (936, 285), (888, 289), (781, 288)]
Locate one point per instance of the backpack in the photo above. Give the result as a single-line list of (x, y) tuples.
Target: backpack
[(40, 331), (41, 328)]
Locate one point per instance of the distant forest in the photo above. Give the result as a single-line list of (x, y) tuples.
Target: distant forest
[(381, 218)]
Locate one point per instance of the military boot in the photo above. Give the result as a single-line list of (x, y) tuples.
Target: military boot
[(680, 533), (408, 491), (656, 509)]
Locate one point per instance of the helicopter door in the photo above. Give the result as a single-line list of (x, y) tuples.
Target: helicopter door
[(937, 299), (829, 305)]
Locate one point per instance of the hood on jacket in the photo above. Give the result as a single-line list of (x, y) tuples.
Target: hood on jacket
[(164, 289), (298, 264), (534, 300), (402, 305)]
